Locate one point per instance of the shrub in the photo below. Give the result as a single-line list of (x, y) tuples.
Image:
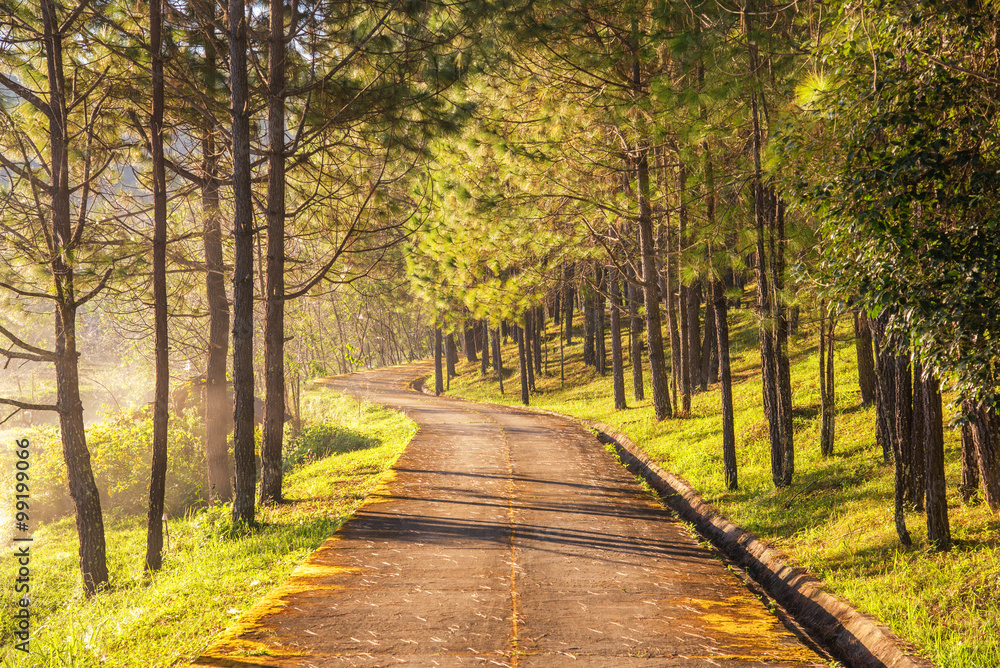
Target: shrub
[(120, 458)]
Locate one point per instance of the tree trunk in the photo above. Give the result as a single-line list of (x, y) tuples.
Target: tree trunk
[(938, 531), (970, 468), (589, 320), (158, 474), (918, 439), (451, 355), (469, 344), (617, 363), (651, 290), (635, 337), (784, 375), (901, 444), (725, 386), (885, 407), (528, 335), (669, 297), (768, 356), (484, 333), (82, 488), (687, 388), (904, 426), (522, 362), (867, 379), (694, 337), (709, 349), (568, 303), (600, 350), (497, 361), (243, 437), (274, 317), (986, 434), (438, 373), (217, 405), (826, 339), (539, 327)]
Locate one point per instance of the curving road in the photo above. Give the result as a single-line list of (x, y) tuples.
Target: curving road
[(506, 538)]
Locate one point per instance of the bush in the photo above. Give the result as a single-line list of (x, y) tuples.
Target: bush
[(322, 440), (120, 458)]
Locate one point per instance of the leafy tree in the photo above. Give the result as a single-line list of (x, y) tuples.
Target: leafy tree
[(60, 142)]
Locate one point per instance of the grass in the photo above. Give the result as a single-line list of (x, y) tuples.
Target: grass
[(836, 518), (211, 575)]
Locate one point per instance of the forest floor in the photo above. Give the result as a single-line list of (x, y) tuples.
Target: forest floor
[(211, 575), (835, 519), (510, 538)]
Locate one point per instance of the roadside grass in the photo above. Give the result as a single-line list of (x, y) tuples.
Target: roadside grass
[(836, 517), (211, 574)]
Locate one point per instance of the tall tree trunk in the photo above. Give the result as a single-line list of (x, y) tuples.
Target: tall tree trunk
[(243, 437), (158, 474), (651, 291), (451, 355), (588, 322), (827, 401), (568, 303), (918, 438), (522, 362), (687, 387), (904, 425), (768, 356), (938, 531), (484, 333), (82, 488), (709, 346), (725, 386), (635, 337), (497, 361), (438, 373), (274, 317), (867, 380), (617, 363), (986, 434), (528, 335), (539, 326), (218, 408), (469, 344), (885, 397), (900, 444), (669, 297), (783, 368), (600, 352), (694, 337), (970, 467)]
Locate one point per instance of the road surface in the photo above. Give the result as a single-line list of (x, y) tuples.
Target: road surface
[(507, 538)]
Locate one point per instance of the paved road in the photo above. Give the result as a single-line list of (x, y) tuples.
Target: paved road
[(507, 538)]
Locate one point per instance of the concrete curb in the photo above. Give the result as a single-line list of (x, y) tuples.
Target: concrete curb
[(856, 639)]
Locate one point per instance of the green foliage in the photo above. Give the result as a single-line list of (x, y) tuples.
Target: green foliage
[(895, 152), (120, 457), (319, 441)]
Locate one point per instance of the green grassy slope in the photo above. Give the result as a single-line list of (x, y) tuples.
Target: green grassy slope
[(209, 576)]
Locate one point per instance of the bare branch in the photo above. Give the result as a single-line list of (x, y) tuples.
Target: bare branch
[(23, 406)]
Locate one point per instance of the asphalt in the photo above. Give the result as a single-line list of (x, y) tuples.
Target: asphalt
[(506, 538)]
